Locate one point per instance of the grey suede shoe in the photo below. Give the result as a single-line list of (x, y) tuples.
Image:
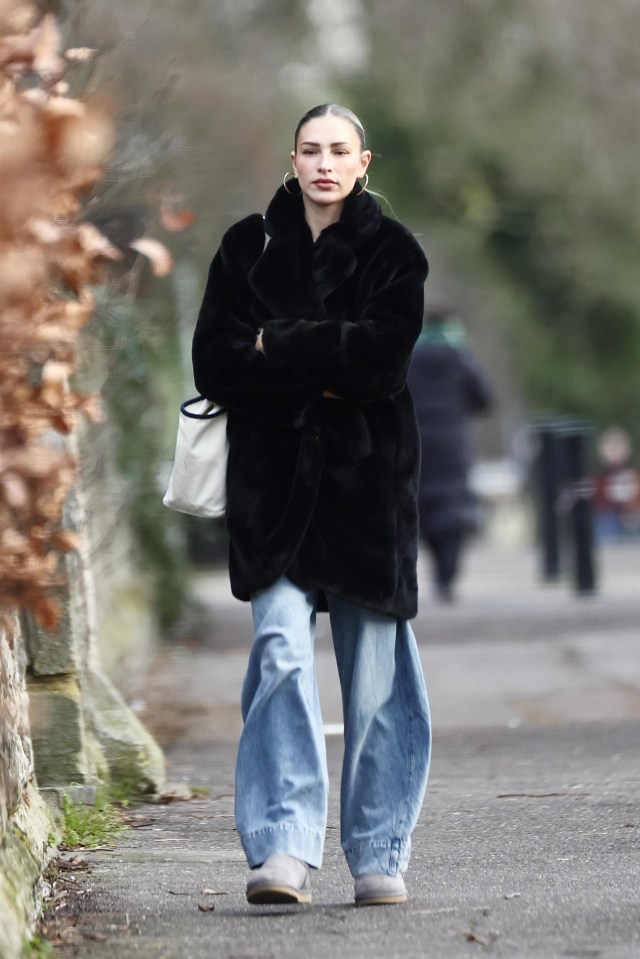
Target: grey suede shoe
[(280, 879), (376, 889)]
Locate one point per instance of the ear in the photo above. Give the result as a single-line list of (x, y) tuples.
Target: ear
[(293, 161), (365, 160)]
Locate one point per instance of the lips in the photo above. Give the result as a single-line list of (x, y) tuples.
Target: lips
[(324, 184)]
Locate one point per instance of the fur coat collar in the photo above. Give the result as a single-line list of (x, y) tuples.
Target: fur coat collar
[(334, 255)]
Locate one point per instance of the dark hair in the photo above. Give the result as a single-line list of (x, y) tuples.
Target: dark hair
[(331, 109)]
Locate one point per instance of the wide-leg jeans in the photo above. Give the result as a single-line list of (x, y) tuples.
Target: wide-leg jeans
[(281, 771)]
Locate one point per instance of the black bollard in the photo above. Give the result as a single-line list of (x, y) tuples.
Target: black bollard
[(580, 485), (565, 490), (549, 477)]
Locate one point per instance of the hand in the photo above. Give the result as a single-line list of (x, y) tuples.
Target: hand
[(258, 343), (330, 396)]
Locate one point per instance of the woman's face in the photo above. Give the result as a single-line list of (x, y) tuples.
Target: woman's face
[(328, 160)]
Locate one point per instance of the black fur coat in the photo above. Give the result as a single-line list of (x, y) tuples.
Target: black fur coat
[(322, 490)]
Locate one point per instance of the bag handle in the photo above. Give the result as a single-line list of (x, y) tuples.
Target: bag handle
[(210, 413)]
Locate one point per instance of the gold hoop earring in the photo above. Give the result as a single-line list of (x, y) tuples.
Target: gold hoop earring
[(363, 186), (284, 183)]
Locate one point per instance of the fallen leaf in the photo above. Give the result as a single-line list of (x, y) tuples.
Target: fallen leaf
[(74, 863), (137, 822), (474, 937), (206, 906), (177, 793)]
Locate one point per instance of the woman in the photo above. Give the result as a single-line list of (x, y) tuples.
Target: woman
[(305, 335)]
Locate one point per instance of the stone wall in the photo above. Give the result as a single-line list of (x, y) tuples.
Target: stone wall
[(62, 720), (82, 728), (26, 826)]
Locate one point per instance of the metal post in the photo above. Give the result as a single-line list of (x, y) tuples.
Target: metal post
[(581, 486), (549, 480)]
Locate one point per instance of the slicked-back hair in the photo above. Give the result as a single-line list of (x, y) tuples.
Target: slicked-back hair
[(335, 110)]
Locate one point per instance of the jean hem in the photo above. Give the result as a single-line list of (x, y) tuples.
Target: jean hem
[(386, 857), (305, 844)]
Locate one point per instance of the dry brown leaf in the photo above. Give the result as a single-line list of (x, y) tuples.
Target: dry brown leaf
[(16, 17), (481, 940), (73, 863), (46, 59), (67, 540), (46, 612), (206, 906), (44, 230), (94, 242), (137, 822), (54, 372), (176, 220), (91, 407), (176, 793), (84, 142), (156, 252), (17, 50), (80, 54), (15, 491), (64, 107)]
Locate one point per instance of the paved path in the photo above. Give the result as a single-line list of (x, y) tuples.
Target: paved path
[(528, 844)]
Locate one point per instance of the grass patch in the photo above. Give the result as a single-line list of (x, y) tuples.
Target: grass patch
[(90, 826), (122, 794), (200, 790), (37, 948)]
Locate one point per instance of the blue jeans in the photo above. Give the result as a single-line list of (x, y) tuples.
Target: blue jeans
[(281, 772)]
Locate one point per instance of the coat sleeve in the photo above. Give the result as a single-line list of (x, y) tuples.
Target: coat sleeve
[(227, 367), (364, 357), (478, 395)]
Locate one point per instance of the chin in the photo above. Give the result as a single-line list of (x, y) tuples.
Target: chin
[(325, 199)]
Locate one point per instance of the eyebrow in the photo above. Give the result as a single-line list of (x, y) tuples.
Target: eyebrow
[(339, 143)]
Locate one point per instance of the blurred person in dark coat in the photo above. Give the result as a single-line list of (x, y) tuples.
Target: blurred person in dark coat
[(448, 387)]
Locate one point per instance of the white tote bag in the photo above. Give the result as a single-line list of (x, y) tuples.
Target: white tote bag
[(198, 482)]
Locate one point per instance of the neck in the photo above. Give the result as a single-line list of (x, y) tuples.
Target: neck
[(320, 217)]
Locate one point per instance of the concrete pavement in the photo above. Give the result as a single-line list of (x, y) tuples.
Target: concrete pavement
[(529, 841)]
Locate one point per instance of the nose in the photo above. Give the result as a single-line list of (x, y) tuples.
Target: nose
[(324, 160)]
